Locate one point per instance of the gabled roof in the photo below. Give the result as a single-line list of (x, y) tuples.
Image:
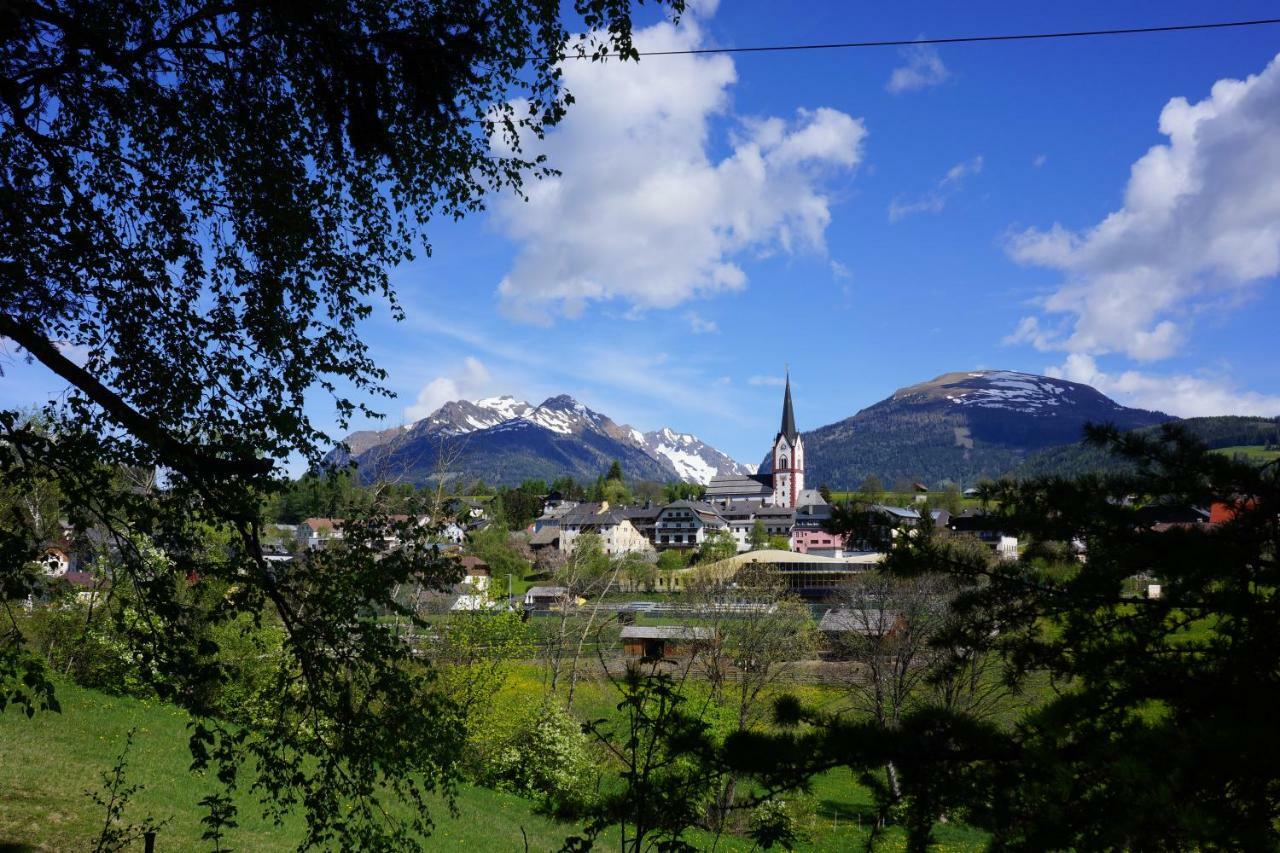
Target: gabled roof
[(546, 592)]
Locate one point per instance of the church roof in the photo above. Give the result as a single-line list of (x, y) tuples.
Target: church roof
[(788, 416)]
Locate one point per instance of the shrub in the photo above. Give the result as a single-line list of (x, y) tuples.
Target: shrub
[(547, 758)]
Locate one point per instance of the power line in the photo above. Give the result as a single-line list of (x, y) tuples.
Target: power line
[(780, 48)]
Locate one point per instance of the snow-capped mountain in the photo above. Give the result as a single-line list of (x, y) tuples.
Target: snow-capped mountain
[(1011, 390), (960, 427), (506, 440), (693, 460)]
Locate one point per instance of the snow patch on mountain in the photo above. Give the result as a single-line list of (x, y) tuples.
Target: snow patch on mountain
[(692, 459), (1007, 389)]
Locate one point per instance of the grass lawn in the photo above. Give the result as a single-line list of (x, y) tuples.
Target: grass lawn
[(47, 763)]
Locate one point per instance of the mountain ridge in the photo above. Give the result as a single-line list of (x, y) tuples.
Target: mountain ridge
[(504, 440)]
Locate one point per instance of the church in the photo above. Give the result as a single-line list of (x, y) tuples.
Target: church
[(783, 486)]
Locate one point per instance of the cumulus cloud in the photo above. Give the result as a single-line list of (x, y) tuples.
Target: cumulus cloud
[(936, 200), (1199, 227), (471, 381), (642, 212), (924, 68), (1182, 395)]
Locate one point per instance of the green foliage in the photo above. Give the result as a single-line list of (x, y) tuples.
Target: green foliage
[(1159, 730), (664, 751), (614, 472), (719, 545), (679, 490), (492, 543), (672, 559), (759, 536), (208, 201), (549, 760), (775, 822), (113, 799)]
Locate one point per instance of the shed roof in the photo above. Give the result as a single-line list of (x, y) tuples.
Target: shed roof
[(870, 622), (666, 632)]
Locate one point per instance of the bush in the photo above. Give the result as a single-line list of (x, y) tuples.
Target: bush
[(548, 759)]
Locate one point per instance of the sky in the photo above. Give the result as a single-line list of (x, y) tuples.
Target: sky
[(1105, 210)]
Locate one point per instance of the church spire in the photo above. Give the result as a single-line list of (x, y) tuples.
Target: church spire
[(788, 416)]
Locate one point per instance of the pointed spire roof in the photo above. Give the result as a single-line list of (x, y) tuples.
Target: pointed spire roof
[(788, 416)]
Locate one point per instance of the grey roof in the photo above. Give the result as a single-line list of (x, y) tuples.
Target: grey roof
[(788, 428), (810, 497), (593, 514), (868, 622), (545, 535), (666, 632), (546, 591), (642, 513), (740, 484), (896, 511)]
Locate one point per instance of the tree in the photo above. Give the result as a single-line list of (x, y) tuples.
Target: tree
[(872, 489), (614, 472), (1158, 732), (202, 201), (758, 631), (759, 536), (679, 490), (719, 545), (672, 559)]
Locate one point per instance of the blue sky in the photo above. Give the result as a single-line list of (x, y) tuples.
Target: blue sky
[(872, 218)]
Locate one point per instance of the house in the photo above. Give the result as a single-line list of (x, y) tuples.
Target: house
[(810, 535), (612, 524), (664, 642), (985, 529), (741, 519), (476, 573), (686, 524), (546, 536), (546, 598), (318, 532)]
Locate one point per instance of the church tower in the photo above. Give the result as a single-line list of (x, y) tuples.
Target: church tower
[(788, 457)]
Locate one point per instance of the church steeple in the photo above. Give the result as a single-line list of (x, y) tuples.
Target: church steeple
[(788, 456), (788, 416)]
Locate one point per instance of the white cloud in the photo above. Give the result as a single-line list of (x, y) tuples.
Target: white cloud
[(924, 68), (936, 200), (700, 325), (1039, 160), (1182, 395), (642, 213), (1200, 227), (779, 381), (472, 381)]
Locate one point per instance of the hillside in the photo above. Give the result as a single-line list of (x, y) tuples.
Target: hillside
[(1245, 436), (961, 427)]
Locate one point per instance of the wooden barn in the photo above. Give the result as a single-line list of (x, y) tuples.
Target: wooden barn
[(663, 641)]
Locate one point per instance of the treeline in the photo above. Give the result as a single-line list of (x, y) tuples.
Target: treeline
[(340, 494)]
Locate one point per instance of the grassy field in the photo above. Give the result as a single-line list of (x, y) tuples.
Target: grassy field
[(1252, 452), (47, 764)]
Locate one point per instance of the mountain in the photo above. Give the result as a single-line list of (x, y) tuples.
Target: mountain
[(504, 441), (693, 460), (960, 427)]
